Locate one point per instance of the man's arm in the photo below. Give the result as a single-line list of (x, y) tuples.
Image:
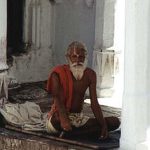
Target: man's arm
[(58, 97), (96, 107)]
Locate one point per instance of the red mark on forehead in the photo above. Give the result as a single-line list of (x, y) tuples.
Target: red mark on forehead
[(77, 51)]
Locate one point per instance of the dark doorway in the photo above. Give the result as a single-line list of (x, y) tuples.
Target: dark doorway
[(15, 9)]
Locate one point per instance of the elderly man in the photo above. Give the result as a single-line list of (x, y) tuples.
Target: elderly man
[(67, 85)]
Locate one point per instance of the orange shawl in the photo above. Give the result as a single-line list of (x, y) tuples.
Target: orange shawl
[(66, 81)]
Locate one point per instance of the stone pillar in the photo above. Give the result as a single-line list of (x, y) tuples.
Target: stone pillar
[(109, 46), (38, 23), (3, 41), (99, 24), (136, 99)]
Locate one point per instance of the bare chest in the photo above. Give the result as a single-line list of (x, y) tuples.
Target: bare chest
[(80, 86)]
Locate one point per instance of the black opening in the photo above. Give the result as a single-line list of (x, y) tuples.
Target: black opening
[(15, 9)]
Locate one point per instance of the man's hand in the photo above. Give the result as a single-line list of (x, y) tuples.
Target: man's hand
[(104, 132), (65, 124)]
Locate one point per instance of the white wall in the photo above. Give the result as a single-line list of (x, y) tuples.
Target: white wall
[(33, 66), (74, 20), (36, 63)]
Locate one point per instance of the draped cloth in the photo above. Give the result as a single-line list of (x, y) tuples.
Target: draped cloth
[(27, 116), (65, 77)]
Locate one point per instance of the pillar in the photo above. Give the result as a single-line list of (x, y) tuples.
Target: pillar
[(3, 41), (109, 46), (135, 111)]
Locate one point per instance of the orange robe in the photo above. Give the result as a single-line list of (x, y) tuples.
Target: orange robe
[(66, 81)]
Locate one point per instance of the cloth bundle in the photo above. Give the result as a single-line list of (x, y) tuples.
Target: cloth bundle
[(28, 116)]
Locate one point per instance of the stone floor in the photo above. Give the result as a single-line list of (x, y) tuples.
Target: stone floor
[(15, 139)]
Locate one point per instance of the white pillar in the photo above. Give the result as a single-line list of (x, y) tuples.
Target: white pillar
[(3, 42), (99, 24), (38, 28), (135, 112), (109, 38), (118, 47)]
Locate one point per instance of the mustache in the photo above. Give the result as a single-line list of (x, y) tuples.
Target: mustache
[(77, 64)]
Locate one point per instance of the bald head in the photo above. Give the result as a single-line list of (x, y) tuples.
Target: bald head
[(76, 45)]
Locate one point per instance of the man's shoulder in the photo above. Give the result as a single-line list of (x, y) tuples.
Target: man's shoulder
[(60, 68), (61, 71), (90, 70), (90, 74), (56, 70)]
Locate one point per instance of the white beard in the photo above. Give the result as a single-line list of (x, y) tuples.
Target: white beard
[(77, 69)]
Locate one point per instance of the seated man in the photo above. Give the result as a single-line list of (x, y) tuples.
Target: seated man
[(67, 85)]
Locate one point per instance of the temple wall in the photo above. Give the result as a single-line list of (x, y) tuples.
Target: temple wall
[(49, 28), (35, 64)]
